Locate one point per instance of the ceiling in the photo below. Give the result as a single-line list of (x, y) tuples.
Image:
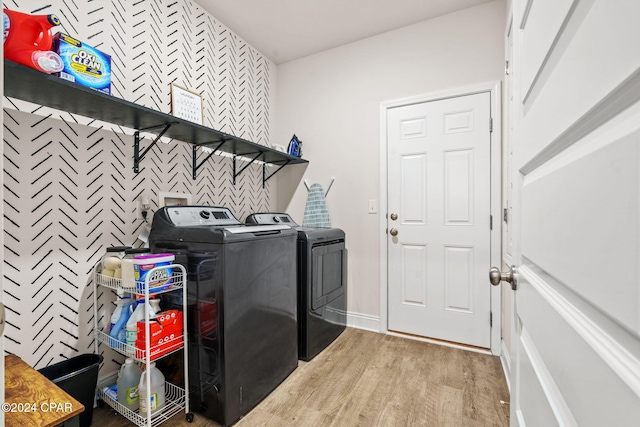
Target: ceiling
[(284, 30)]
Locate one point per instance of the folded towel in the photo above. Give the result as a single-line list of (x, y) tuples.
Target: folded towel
[(316, 213)]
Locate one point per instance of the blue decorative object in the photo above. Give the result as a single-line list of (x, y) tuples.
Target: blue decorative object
[(295, 147)]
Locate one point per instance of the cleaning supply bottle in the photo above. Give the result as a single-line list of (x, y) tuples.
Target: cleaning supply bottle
[(28, 40), (128, 279), (138, 314), (122, 300), (127, 276), (155, 306), (118, 334), (132, 324), (155, 393), (128, 381)]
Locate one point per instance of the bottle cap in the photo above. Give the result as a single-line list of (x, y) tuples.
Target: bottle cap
[(47, 61)]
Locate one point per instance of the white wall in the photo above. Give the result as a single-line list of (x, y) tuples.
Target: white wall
[(331, 101)]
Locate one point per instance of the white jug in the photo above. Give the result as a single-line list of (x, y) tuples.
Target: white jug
[(156, 391), (128, 380)]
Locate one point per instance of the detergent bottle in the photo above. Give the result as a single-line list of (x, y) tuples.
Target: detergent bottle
[(28, 40), (117, 334), (138, 314), (120, 302), (128, 380)]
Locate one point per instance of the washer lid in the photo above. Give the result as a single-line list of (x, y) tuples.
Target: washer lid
[(256, 229)]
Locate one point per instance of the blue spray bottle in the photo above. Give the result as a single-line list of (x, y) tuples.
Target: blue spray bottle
[(118, 333)]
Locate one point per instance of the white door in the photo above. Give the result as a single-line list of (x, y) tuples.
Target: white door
[(439, 188), (576, 199)]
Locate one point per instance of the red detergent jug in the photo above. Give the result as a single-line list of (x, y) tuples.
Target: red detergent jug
[(28, 40)]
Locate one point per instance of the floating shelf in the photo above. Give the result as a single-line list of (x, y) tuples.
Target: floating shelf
[(31, 85)]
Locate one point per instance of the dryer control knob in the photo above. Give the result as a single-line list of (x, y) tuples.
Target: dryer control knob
[(205, 214), (276, 219)]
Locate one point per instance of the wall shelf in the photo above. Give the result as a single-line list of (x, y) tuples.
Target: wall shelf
[(31, 85)]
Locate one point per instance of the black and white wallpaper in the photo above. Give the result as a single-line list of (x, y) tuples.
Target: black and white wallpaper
[(69, 186)]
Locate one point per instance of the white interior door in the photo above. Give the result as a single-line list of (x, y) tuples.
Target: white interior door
[(576, 142), (439, 205)]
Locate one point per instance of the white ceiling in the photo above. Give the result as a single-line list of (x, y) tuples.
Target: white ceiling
[(284, 30)]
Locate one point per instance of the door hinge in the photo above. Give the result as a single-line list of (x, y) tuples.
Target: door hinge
[(491, 125), (490, 318), (505, 215), (506, 68), (490, 222)]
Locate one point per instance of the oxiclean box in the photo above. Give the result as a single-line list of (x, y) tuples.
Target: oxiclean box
[(83, 64), (161, 279)]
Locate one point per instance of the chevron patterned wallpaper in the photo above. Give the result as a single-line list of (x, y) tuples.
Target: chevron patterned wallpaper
[(69, 186)]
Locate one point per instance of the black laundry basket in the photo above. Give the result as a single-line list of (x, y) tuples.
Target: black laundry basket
[(78, 377)]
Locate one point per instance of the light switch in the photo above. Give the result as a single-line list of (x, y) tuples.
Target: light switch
[(373, 206)]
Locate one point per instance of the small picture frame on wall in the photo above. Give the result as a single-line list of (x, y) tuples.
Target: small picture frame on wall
[(186, 104)]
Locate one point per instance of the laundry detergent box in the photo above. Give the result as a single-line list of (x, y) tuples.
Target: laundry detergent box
[(154, 269), (83, 64)]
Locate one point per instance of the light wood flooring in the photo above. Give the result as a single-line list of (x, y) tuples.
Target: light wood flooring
[(368, 379)]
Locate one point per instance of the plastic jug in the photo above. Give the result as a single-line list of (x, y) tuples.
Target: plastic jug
[(128, 380), (28, 40), (156, 392)]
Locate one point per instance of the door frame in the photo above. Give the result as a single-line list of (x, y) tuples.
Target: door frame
[(495, 204)]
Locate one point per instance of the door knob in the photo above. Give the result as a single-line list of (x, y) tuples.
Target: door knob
[(394, 216), (496, 276), (393, 232)]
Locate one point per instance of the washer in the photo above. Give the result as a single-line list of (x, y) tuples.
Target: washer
[(242, 305), (322, 283)]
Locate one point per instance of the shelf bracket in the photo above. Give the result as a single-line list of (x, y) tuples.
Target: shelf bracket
[(137, 157), (266, 177), (236, 174), (196, 166)]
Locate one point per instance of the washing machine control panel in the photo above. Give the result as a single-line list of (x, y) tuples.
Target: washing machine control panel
[(271, 218), (185, 216)]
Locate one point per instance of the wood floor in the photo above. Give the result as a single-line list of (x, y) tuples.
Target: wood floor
[(368, 379)]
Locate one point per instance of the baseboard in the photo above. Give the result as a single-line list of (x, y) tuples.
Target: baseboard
[(108, 378), (440, 342), (363, 321), (505, 359)]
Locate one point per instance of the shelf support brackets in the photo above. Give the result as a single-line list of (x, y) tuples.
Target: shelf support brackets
[(236, 174), (196, 166), (266, 177), (137, 157)]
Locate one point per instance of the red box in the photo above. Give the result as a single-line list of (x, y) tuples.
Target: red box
[(167, 345), (169, 317), (166, 323)]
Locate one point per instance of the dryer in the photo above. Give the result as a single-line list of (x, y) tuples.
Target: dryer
[(322, 282), (242, 315)]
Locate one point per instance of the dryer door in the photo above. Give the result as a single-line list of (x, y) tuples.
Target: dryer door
[(329, 272)]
